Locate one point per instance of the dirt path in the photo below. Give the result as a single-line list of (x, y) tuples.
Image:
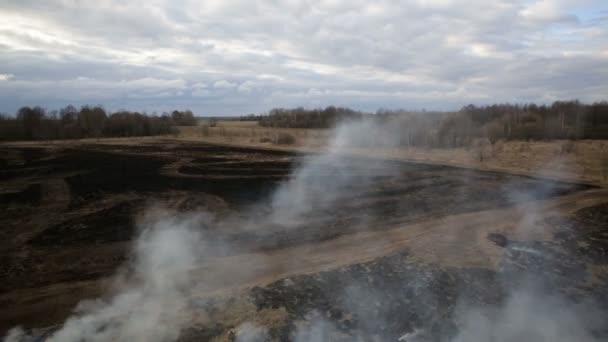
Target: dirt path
[(457, 240)]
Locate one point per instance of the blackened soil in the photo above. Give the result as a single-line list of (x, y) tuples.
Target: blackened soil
[(212, 159), (399, 193), (385, 299), (109, 225), (31, 195), (234, 170), (75, 213), (381, 300)]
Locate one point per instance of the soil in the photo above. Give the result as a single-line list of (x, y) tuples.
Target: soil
[(70, 212), (395, 295)]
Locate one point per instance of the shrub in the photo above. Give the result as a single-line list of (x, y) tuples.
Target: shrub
[(185, 118)]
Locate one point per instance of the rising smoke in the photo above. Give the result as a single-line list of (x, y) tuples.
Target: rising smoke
[(157, 284), (154, 293)]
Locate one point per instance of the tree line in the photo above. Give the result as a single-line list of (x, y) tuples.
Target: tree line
[(305, 118), (36, 123), (559, 120)]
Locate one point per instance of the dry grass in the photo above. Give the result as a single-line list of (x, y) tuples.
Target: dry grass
[(249, 133), (232, 123), (604, 162), (580, 161)]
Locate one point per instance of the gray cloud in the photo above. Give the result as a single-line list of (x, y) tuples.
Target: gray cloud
[(439, 54)]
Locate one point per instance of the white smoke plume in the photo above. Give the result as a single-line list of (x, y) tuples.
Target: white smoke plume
[(148, 307), (315, 328), (250, 332), (324, 178), (528, 315)]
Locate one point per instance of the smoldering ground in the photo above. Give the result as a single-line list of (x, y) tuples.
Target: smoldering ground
[(392, 298), (153, 291)]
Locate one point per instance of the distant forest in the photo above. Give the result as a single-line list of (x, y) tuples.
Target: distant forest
[(560, 120), (35, 123)]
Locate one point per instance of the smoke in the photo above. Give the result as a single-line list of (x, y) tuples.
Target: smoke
[(528, 315), (527, 311), (165, 253), (155, 291), (538, 279), (16, 334), (316, 328), (249, 332), (157, 285), (325, 179)]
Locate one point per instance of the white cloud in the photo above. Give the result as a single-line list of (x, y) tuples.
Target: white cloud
[(223, 84), (435, 3), (246, 87), (6, 77), (199, 85), (542, 10), (480, 50), (421, 53), (152, 83), (201, 93)]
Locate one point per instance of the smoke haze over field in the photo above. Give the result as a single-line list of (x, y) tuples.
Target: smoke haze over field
[(148, 306), (158, 282), (236, 57)]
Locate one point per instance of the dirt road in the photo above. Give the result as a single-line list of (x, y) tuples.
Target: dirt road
[(453, 241)]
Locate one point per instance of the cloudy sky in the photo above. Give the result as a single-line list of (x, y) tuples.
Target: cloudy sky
[(222, 57)]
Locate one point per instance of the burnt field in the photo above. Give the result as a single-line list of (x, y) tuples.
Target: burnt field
[(396, 297), (70, 212)]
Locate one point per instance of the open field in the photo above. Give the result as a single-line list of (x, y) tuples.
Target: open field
[(304, 171), (581, 161), (71, 211)]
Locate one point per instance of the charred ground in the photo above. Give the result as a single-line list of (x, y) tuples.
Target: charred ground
[(69, 213)]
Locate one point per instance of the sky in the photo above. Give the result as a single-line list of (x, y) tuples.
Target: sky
[(223, 57)]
